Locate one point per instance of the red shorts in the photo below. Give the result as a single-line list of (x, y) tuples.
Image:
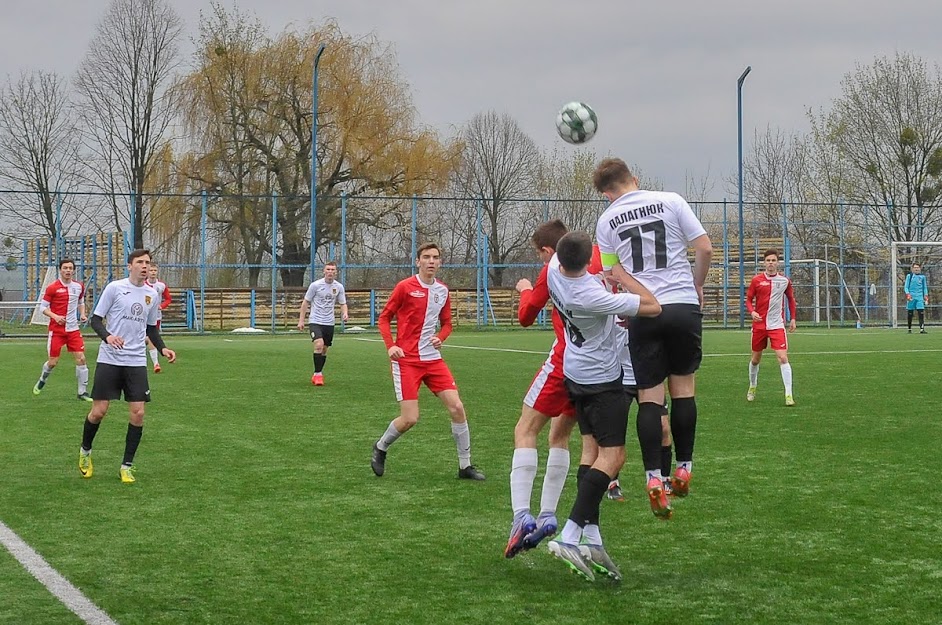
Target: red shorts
[(774, 338), (408, 376), (547, 394), (72, 341)]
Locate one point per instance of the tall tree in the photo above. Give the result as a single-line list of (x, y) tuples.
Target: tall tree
[(124, 80), (887, 125), (501, 165), (39, 146), (248, 102)]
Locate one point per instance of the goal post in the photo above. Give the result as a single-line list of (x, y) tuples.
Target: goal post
[(817, 263), (930, 256)]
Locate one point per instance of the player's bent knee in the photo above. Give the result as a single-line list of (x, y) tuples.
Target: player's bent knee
[(560, 432)]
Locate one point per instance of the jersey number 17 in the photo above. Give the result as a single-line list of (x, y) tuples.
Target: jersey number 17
[(636, 235)]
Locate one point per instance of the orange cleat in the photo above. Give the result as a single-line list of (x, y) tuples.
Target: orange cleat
[(680, 482), (660, 503)]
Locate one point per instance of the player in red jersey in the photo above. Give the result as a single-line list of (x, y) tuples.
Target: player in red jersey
[(418, 304), (164, 292), (765, 300), (64, 303), (546, 401)]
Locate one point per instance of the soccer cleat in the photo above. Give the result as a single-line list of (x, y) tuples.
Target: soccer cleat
[(614, 492), (127, 474), (923, 331), (85, 396), (751, 394), (789, 400), (546, 526), (909, 331), (378, 461), (85, 464), (572, 556), (156, 367), (667, 486), (522, 526), (600, 561), (317, 379), (39, 387), (660, 504), (680, 482), (470, 472)]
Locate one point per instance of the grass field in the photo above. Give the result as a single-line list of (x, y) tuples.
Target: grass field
[(255, 502)]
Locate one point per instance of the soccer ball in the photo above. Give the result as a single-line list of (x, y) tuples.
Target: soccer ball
[(577, 122)]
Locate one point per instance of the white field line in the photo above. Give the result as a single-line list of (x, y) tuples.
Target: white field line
[(743, 355), (59, 586)]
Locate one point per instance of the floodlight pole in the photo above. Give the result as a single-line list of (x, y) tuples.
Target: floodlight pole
[(742, 230), (317, 60)]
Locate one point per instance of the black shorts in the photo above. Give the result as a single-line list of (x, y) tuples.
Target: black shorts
[(669, 344), (112, 380), (602, 411), (324, 332)]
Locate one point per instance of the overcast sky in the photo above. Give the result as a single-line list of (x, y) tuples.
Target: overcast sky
[(660, 75)]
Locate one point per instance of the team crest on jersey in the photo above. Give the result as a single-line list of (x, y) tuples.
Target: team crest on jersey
[(147, 299), (417, 293), (137, 309), (435, 298), (334, 290)]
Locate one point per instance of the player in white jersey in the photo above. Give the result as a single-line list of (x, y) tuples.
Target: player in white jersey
[(593, 378), (766, 299), (647, 234), (163, 293), (321, 297), (126, 315)]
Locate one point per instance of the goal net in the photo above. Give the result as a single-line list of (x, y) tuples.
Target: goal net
[(903, 254)]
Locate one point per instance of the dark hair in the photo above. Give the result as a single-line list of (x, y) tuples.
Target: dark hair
[(914, 265), (610, 173), (137, 254), (771, 252), (574, 251), (548, 234), (427, 246), (66, 261)]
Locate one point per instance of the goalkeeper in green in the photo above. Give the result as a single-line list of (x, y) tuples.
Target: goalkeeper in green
[(917, 296)]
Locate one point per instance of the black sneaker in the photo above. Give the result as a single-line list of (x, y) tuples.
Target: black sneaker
[(923, 331), (378, 461), (470, 473)]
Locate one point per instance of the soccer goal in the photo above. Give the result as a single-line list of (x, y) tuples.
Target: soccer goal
[(902, 256), (814, 280)]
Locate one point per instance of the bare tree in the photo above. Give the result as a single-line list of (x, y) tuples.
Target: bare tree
[(39, 146), (501, 164), (124, 80), (887, 125)]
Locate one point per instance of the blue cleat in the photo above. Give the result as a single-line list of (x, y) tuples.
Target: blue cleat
[(522, 526), (546, 526)]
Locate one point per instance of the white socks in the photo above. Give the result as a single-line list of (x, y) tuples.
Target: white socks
[(787, 377), (753, 374), (592, 535), (557, 468), (46, 371), (153, 354), (462, 438), (389, 437), (522, 475), (81, 374)]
